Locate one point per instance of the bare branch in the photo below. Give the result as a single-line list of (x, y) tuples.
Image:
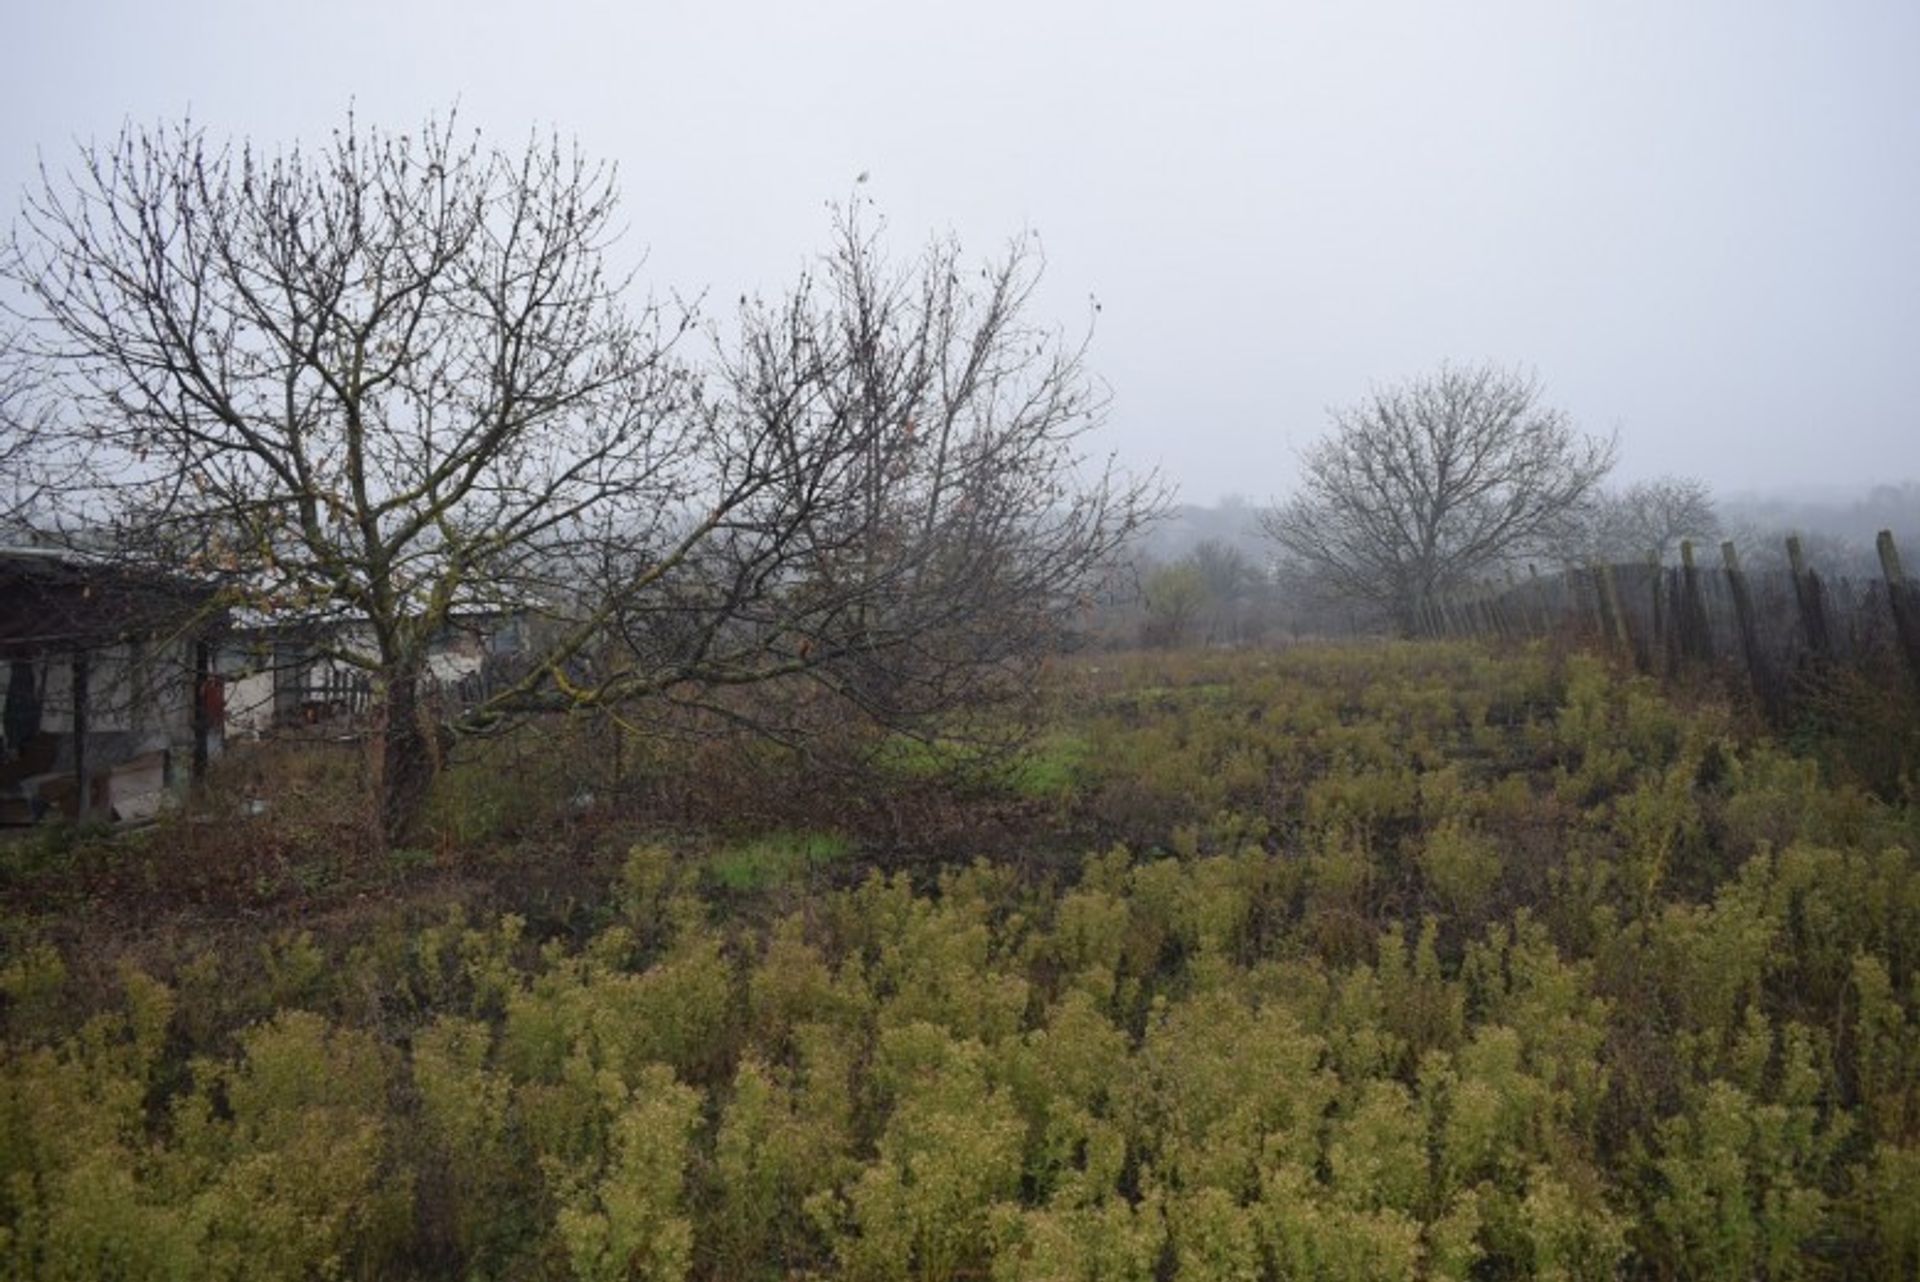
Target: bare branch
[(388, 383), (1430, 483)]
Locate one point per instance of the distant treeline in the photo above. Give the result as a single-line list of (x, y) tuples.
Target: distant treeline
[(1208, 574)]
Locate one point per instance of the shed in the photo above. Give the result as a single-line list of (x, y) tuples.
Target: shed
[(110, 698)]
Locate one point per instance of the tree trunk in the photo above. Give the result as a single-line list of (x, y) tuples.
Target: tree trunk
[(407, 760)]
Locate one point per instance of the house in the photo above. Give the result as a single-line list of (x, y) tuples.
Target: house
[(110, 698), (285, 673)]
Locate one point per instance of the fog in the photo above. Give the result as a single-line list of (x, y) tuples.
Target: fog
[(1694, 223)]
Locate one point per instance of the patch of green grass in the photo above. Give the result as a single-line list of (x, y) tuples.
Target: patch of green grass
[(1052, 766), (406, 858), (1047, 767), (1172, 696), (906, 757), (776, 859)]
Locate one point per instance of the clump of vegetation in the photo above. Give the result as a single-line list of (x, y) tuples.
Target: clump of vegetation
[(1384, 962), (775, 860)]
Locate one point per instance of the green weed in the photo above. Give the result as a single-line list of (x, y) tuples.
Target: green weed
[(777, 859)]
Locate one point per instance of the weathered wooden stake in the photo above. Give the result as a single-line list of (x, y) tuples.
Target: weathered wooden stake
[(1657, 642), (1809, 596), (1757, 673), (1592, 576), (1610, 592), (1496, 613), (1903, 600), (1696, 639)]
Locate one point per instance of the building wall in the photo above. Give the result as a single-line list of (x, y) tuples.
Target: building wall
[(273, 683), (143, 694), (139, 723)]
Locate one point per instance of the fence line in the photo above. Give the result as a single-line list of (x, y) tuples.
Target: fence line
[(1773, 627)]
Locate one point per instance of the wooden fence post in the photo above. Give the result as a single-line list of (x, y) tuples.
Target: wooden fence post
[(1676, 619), (1902, 600), (1588, 587), (1519, 613), (1506, 613), (1696, 639), (1610, 593), (1657, 642), (1757, 673), (1807, 594)]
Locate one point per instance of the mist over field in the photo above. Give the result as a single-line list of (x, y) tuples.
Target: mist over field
[(1102, 642), (1693, 225), (1843, 519)]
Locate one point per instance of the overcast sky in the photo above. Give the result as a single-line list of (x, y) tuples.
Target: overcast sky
[(1699, 223)]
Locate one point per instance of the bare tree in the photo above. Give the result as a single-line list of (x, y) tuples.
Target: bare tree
[(1229, 575), (392, 382), (1427, 484), (902, 522), (33, 465), (1238, 592), (1648, 518), (368, 381)]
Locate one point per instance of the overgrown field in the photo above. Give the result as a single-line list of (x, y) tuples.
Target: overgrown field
[(1370, 963)]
